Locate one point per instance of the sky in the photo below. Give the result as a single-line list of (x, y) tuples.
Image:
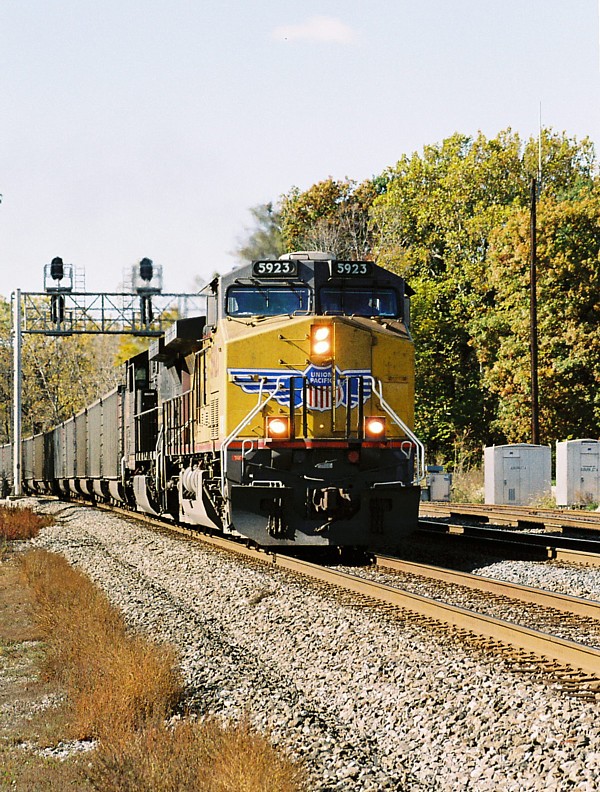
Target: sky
[(148, 128)]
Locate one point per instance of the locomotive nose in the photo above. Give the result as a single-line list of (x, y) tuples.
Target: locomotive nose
[(332, 502)]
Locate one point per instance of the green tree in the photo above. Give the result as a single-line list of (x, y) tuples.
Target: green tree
[(433, 225), (332, 216), (568, 284)]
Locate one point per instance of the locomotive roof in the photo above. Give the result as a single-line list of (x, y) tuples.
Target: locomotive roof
[(315, 270)]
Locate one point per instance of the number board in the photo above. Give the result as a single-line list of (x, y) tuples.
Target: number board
[(275, 269), (351, 269)]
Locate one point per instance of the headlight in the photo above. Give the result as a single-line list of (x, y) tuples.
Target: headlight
[(375, 427), (278, 427), (321, 338)]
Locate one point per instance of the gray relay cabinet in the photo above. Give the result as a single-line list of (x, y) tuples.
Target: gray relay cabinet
[(517, 475), (577, 472), (438, 484)]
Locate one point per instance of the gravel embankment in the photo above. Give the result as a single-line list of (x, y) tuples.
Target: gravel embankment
[(371, 702)]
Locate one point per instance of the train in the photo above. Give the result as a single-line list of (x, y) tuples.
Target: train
[(284, 416)]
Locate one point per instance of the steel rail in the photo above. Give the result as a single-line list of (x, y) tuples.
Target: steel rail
[(555, 548), (560, 650), (543, 645), (549, 599), (515, 515)]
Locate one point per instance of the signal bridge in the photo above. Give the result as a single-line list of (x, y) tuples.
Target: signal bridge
[(62, 311)]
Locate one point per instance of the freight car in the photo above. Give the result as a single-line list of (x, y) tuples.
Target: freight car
[(283, 416)]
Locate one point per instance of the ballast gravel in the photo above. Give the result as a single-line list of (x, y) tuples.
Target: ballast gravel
[(369, 701), (585, 630)]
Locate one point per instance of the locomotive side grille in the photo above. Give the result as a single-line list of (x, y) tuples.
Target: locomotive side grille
[(214, 419)]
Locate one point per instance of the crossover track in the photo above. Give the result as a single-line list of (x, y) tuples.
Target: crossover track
[(553, 547), (538, 644), (520, 516)]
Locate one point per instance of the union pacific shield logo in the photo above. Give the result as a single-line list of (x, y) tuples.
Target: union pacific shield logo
[(319, 376), (319, 380)]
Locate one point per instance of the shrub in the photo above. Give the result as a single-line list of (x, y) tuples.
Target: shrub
[(21, 523)]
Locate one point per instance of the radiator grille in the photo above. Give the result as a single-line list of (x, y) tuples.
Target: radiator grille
[(214, 418)]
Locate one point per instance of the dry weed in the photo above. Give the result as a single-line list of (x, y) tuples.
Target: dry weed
[(205, 757), (116, 682), (21, 523), (122, 688), (467, 486)]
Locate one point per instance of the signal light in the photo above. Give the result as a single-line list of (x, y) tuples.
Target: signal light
[(278, 427), (146, 269), (375, 427), (321, 340), (57, 269)]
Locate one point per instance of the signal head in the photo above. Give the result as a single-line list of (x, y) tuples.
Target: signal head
[(146, 269), (57, 269)]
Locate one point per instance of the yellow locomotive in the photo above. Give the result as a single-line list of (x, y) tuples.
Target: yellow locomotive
[(294, 424)]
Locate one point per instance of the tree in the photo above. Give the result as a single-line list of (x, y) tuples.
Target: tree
[(433, 225), (332, 216), (264, 240), (568, 284), (61, 376)]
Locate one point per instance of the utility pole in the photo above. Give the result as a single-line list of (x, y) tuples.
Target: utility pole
[(17, 377), (533, 330)]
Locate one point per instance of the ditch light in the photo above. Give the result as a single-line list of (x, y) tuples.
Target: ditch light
[(278, 427)]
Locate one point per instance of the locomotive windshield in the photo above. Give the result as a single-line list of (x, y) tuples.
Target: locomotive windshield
[(267, 300), (359, 301)]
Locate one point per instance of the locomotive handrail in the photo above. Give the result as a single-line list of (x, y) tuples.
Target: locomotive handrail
[(180, 416), (256, 409), (160, 474), (420, 452), (145, 412), (178, 396)]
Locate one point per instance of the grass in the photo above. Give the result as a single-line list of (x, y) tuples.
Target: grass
[(122, 690), (467, 485), (193, 756)]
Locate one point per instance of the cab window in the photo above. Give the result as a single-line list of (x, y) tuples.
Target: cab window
[(267, 300), (359, 301)]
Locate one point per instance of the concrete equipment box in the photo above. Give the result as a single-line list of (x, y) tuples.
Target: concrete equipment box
[(577, 472), (517, 475)]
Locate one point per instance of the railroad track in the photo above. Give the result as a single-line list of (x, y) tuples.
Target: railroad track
[(565, 603), (540, 546), (575, 665), (519, 516)]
